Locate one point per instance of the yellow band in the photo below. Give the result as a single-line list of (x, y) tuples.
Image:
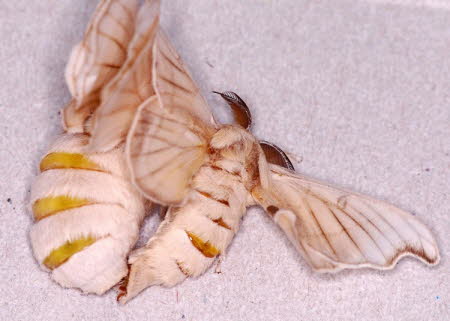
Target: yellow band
[(61, 254), (67, 160), (52, 205), (206, 248)]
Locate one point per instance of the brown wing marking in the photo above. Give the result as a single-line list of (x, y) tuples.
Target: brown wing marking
[(164, 150), (335, 229), (173, 84), (131, 87), (98, 58)]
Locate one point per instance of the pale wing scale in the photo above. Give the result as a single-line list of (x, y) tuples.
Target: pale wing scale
[(111, 211), (168, 140), (336, 229), (130, 87), (174, 85), (97, 58), (164, 150), (73, 119)]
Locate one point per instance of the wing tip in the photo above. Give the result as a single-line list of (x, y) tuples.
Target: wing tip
[(429, 259)]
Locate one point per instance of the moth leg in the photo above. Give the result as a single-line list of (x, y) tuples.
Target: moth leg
[(163, 211), (122, 285), (218, 268)]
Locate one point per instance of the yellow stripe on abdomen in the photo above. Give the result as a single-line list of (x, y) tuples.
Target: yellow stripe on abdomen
[(206, 248), (61, 254), (67, 160), (47, 206)]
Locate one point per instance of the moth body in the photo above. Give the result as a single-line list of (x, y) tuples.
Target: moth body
[(147, 134), (195, 233), (87, 210), (87, 215)]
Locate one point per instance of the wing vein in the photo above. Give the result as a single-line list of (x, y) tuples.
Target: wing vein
[(162, 149), (376, 227), (359, 224), (113, 39), (107, 65), (166, 118), (164, 165), (311, 211), (174, 84), (394, 229), (347, 232), (181, 70), (126, 9), (120, 24), (136, 85), (165, 140)]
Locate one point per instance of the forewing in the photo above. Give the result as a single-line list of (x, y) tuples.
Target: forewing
[(173, 84), (97, 58), (130, 87), (164, 149), (336, 229), (168, 140)]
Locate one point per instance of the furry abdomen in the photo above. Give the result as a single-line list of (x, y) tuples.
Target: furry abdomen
[(193, 235), (87, 215)]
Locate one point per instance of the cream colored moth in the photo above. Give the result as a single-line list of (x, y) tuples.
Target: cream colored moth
[(144, 123), (87, 211)]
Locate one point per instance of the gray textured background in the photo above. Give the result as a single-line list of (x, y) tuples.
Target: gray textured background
[(359, 89)]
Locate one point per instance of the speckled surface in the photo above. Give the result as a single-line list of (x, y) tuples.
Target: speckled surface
[(359, 90)]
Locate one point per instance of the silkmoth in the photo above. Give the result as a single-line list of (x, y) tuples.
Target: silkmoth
[(87, 211), (139, 131)]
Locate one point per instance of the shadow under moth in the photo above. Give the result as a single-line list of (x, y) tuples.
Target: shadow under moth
[(137, 131)]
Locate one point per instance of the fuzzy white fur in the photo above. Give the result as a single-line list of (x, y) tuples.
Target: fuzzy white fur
[(170, 256), (77, 143), (113, 218)]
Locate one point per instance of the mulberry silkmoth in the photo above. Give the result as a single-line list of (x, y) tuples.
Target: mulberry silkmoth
[(138, 131)]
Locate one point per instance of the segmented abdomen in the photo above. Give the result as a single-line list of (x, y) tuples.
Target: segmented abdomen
[(191, 236), (87, 215)]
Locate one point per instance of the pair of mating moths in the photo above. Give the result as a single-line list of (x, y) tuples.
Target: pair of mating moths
[(138, 131)]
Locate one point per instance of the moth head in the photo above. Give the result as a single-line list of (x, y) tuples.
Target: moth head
[(231, 136), (235, 138)]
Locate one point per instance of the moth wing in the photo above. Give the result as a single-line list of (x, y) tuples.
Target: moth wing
[(164, 150), (335, 229), (174, 85), (169, 137), (130, 87), (97, 58)]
